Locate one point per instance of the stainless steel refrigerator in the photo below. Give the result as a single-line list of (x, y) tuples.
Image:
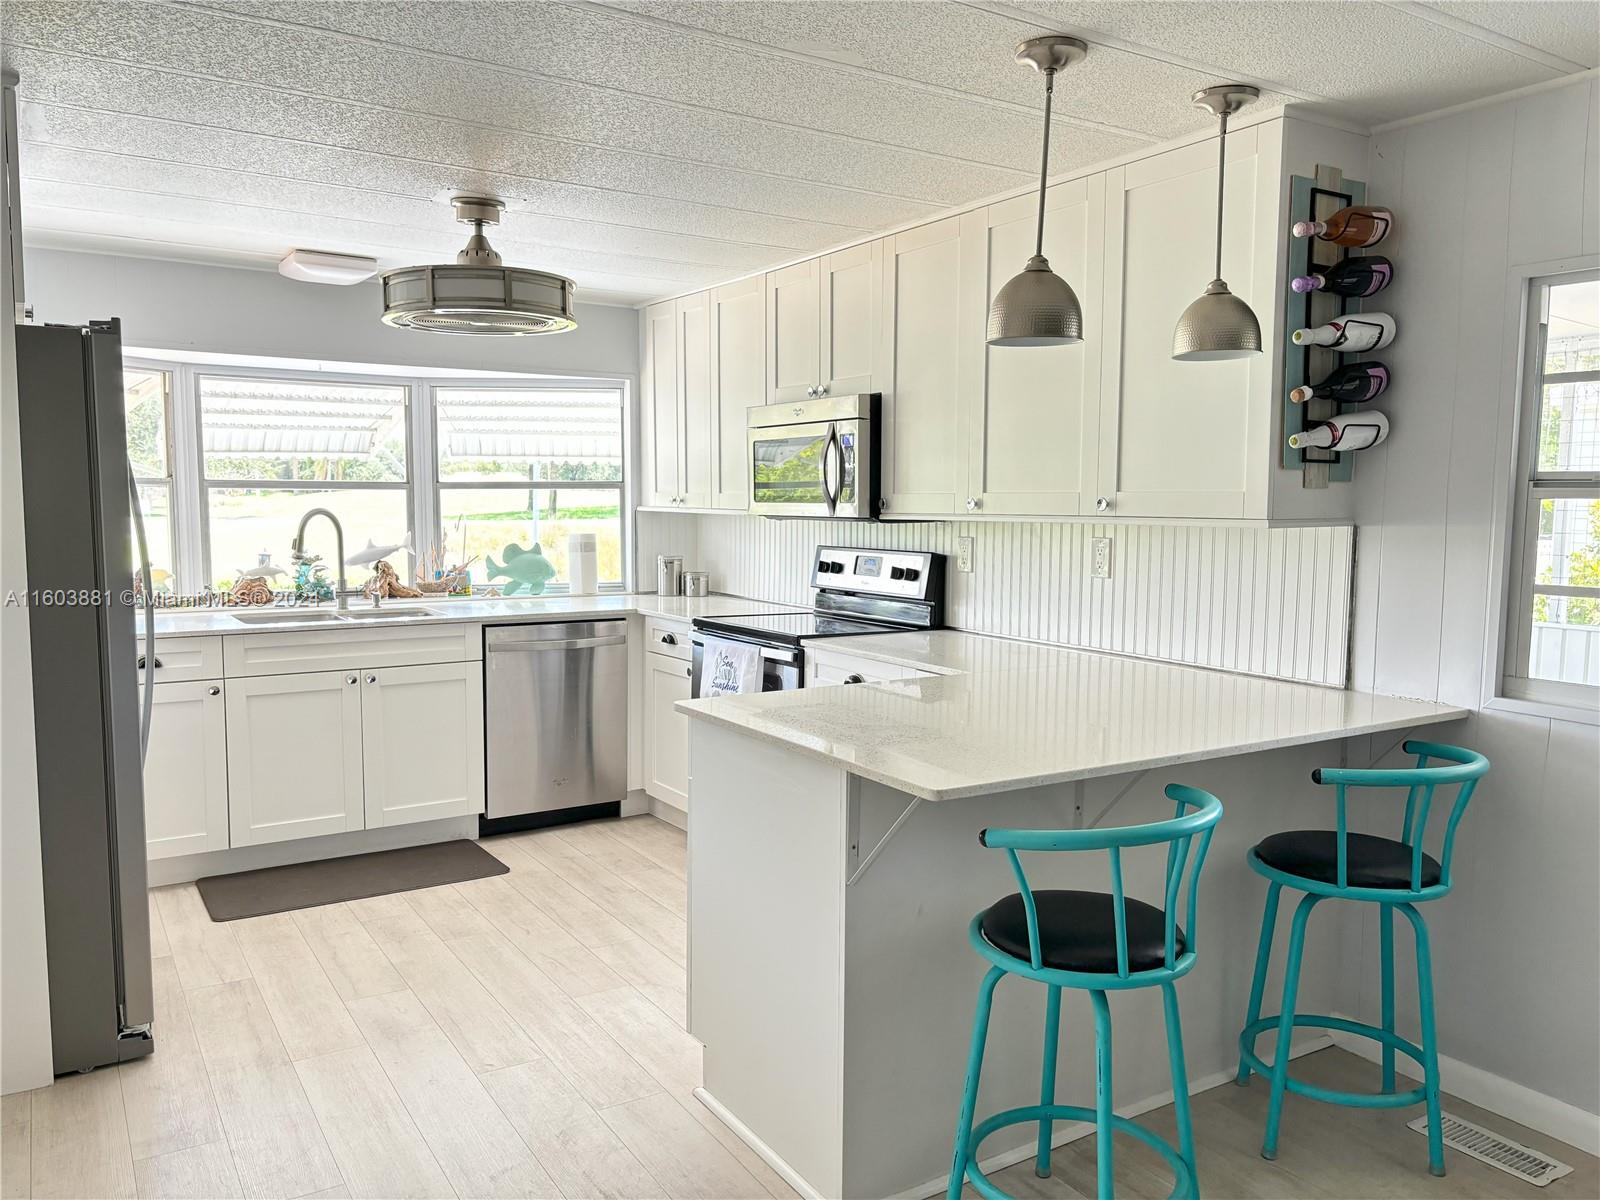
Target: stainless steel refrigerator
[(86, 702)]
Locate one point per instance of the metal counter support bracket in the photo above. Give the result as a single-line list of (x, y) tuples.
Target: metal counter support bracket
[(1117, 799), (872, 855)]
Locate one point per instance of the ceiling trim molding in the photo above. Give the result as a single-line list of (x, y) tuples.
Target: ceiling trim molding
[(461, 60), (1447, 20), (900, 82), (1576, 79)]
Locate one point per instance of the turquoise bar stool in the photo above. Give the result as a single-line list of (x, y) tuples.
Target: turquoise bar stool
[(1393, 874), (1100, 943)]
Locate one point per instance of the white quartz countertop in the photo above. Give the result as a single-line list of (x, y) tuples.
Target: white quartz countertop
[(496, 610), (998, 715)]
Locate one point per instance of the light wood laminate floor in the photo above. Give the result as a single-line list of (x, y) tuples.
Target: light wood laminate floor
[(522, 1036)]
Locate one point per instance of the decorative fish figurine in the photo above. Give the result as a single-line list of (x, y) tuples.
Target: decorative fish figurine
[(370, 554), (525, 568), (262, 570)]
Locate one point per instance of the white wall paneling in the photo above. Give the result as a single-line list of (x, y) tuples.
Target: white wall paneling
[(1265, 601)]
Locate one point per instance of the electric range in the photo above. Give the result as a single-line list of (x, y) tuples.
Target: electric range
[(858, 592)]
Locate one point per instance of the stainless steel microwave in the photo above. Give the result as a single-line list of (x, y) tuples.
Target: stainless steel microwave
[(817, 458)]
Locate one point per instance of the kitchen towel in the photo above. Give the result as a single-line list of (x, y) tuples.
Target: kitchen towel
[(729, 668)]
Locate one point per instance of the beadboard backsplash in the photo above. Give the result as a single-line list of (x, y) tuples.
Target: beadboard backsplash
[(1265, 601)]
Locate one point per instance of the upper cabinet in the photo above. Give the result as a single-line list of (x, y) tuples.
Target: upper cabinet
[(1031, 416), (1110, 427)]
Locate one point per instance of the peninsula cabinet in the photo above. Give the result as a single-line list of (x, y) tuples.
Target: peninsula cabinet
[(822, 320), (186, 769)]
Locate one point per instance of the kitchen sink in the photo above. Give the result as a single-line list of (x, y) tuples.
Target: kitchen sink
[(284, 616), (368, 614)]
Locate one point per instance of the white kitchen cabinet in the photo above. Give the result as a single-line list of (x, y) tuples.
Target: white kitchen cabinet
[(1031, 415), (659, 405), (922, 458), (832, 669), (186, 769), (422, 742), (738, 368), (294, 756), (694, 406), (1187, 439), (666, 730), (822, 327)]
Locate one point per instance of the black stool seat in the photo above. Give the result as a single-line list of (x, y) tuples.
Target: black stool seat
[(1078, 931), (1372, 862)]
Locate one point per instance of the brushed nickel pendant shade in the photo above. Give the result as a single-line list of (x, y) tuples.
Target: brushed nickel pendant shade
[(1038, 307), (1218, 325), (477, 295)]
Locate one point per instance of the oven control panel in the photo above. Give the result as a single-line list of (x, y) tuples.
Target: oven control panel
[(906, 574)]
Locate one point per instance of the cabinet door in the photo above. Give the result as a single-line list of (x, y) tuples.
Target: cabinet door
[(294, 756), (694, 405), (738, 366), (659, 405), (666, 730), (921, 457), (848, 323), (793, 341), (1183, 439), (422, 742), (186, 770), (1032, 413)]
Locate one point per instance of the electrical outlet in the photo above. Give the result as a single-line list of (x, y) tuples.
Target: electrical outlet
[(964, 554), (1100, 557)]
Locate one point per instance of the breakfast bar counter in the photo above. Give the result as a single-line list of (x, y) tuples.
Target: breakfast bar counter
[(835, 866)]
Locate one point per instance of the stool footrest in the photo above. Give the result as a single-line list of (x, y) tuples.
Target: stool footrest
[(1328, 1095), (1184, 1186)]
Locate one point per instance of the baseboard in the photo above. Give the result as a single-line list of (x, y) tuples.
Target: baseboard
[(1511, 1100), (187, 868), (1065, 1131), (670, 813)]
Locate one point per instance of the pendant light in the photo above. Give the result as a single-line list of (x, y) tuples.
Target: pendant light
[(1038, 307), (1219, 325), (476, 295)]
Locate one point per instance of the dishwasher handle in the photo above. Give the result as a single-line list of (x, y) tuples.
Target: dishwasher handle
[(559, 643)]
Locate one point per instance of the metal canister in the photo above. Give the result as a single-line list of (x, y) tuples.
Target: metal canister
[(669, 575), (697, 583)]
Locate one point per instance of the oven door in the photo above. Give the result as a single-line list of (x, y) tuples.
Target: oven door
[(817, 469), (780, 669)]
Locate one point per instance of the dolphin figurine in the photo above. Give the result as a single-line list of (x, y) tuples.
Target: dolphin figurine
[(370, 553), (263, 570), (524, 568)]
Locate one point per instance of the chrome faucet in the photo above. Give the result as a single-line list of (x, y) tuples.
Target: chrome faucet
[(340, 598)]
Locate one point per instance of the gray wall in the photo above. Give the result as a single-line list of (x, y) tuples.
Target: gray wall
[(1479, 197), (232, 310)]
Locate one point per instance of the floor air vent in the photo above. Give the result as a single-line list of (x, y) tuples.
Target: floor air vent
[(1487, 1146)]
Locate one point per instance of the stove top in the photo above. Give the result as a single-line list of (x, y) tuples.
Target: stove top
[(788, 629)]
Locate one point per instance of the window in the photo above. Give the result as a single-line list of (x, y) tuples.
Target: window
[(526, 466), (147, 410), (1554, 637), (273, 448)]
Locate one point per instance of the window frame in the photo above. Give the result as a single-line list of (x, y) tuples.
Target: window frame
[(169, 481), (1533, 487)]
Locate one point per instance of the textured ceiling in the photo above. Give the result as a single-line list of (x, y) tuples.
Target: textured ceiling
[(646, 147)]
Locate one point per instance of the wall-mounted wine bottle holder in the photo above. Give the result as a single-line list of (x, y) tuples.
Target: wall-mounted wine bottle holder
[(1314, 200)]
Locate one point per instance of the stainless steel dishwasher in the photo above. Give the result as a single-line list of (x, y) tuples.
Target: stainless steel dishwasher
[(556, 722)]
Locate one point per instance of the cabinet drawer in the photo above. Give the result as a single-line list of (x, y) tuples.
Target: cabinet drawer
[(184, 659), (667, 637), (823, 670), (350, 646)]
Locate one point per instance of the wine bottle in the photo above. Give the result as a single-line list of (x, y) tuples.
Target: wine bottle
[(1352, 383), (1348, 431), (1353, 277), (1350, 334), (1359, 225)]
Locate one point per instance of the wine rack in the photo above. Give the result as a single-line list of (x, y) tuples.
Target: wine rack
[(1314, 200)]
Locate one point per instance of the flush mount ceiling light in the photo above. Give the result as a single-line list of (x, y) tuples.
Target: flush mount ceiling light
[(321, 266), (1038, 307), (1218, 325), (476, 295)]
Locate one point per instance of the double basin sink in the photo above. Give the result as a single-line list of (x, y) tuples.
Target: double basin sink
[(295, 616)]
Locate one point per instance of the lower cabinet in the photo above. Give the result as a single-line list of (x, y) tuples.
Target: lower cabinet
[(186, 770), (828, 670), (422, 742), (666, 730), (294, 756)]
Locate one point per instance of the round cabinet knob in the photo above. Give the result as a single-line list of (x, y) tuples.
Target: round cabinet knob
[(349, 678), (822, 389), (883, 504), (689, 671), (213, 691), (1102, 504), (372, 679), (855, 679), (812, 392), (973, 504)]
